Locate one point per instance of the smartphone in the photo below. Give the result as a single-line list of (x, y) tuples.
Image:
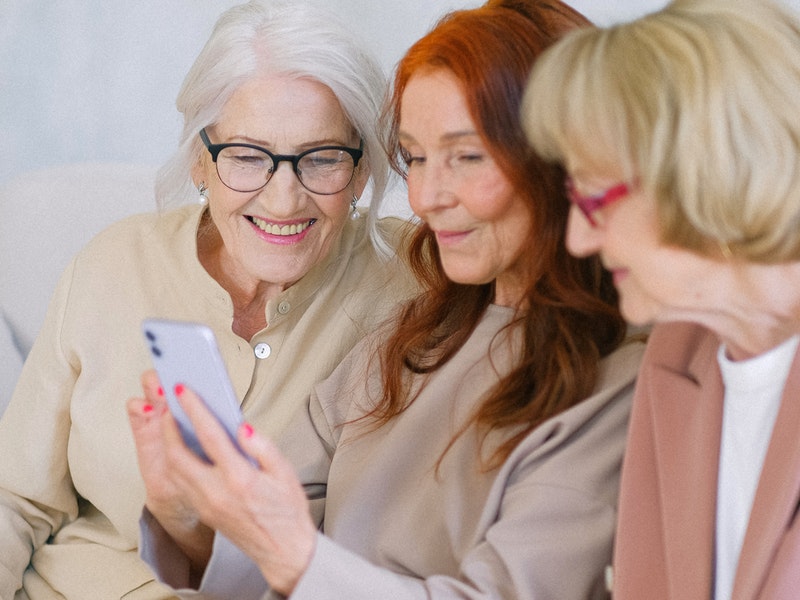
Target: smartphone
[(187, 353)]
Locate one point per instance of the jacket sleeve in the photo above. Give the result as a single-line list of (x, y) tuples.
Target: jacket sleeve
[(572, 545), (36, 492)]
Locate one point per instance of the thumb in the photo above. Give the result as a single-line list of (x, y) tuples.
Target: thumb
[(265, 452)]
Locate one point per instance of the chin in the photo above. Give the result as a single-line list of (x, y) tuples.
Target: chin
[(637, 314)]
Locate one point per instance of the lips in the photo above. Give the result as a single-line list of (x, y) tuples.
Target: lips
[(445, 238), (281, 230), (619, 275)]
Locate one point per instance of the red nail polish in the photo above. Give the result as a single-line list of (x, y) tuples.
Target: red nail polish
[(160, 391), (179, 389), (248, 430), (147, 408)]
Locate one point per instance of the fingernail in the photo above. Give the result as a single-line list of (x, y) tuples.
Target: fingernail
[(147, 408), (179, 389), (160, 391), (248, 430)]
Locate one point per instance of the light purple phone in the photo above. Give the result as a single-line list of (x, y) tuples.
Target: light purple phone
[(187, 353)]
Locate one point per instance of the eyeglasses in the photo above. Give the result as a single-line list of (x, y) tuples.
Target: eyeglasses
[(588, 205), (246, 168)]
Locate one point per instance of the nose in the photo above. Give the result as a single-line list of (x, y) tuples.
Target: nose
[(582, 238), (429, 190), (282, 194)]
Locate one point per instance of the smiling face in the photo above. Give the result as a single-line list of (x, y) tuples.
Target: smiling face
[(275, 235), (482, 225)]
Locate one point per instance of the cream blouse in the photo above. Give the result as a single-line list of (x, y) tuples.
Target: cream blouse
[(70, 489)]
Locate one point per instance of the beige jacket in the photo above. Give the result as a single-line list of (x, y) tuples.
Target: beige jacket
[(70, 490), (539, 526), (665, 546)]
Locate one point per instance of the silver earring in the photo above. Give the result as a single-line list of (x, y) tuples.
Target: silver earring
[(203, 197), (354, 214)]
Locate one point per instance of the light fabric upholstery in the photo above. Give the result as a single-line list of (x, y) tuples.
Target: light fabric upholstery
[(46, 216)]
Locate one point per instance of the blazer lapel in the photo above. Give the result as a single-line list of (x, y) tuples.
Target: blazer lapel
[(687, 421), (776, 500)]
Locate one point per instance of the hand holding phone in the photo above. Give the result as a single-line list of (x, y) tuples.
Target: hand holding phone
[(187, 353)]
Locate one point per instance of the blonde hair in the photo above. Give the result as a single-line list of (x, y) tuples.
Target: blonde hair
[(699, 103)]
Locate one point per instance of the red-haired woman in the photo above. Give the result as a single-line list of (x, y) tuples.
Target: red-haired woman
[(474, 445)]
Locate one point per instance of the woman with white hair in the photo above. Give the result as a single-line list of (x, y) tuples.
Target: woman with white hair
[(274, 258), (681, 139)]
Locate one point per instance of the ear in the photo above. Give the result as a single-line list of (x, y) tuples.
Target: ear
[(200, 171)]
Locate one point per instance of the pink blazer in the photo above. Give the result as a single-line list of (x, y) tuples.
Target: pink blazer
[(665, 535)]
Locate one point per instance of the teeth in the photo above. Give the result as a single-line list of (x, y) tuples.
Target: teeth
[(274, 229)]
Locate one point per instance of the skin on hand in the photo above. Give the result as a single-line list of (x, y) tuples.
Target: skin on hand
[(152, 424), (263, 510)]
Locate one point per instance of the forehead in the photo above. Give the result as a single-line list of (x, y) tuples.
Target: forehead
[(271, 107), (434, 106)]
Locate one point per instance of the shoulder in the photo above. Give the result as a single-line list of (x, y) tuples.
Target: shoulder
[(371, 275), (145, 228), (394, 229), (137, 237), (581, 448), (676, 346)]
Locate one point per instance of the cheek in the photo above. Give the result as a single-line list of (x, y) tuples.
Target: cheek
[(336, 209), (507, 213), (224, 202)]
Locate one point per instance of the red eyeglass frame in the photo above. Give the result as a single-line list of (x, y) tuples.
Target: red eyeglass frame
[(589, 204)]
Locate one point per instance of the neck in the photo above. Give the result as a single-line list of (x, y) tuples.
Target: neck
[(757, 307), (249, 296)]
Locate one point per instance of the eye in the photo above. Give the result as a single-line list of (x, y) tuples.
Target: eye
[(244, 157), (466, 158), (322, 159), (409, 159)]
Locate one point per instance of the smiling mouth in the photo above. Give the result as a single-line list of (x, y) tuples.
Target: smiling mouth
[(281, 230)]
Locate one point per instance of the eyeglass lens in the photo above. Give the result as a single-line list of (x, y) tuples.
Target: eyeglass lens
[(321, 171)]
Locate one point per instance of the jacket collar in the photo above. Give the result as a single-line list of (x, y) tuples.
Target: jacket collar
[(687, 421)]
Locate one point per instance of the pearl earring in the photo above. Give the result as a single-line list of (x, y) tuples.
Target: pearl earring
[(354, 214), (203, 197)]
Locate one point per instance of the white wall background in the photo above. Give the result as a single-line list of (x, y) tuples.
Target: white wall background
[(89, 80)]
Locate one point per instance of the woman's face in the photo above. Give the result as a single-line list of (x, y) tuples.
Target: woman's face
[(656, 282), (482, 225), (275, 235)]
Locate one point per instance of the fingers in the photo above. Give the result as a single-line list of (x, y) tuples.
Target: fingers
[(268, 456), (153, 392), (143, 410), (263, 451), (213, 438)]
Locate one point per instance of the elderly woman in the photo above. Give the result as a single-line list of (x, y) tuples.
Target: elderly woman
[(474, 444), (681, 137), (280, 140)]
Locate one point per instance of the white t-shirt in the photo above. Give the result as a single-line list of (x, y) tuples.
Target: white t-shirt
[(753, 390)]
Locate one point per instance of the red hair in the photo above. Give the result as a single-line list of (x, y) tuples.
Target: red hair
[(570, 316)]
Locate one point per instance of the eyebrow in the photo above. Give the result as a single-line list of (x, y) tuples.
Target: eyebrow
[(450, 136), (243, 139)]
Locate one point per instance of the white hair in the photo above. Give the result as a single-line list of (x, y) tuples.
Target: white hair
[(280, 37)]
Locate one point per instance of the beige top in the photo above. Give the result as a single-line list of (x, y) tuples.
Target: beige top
[(70, 490), (540, 526)]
